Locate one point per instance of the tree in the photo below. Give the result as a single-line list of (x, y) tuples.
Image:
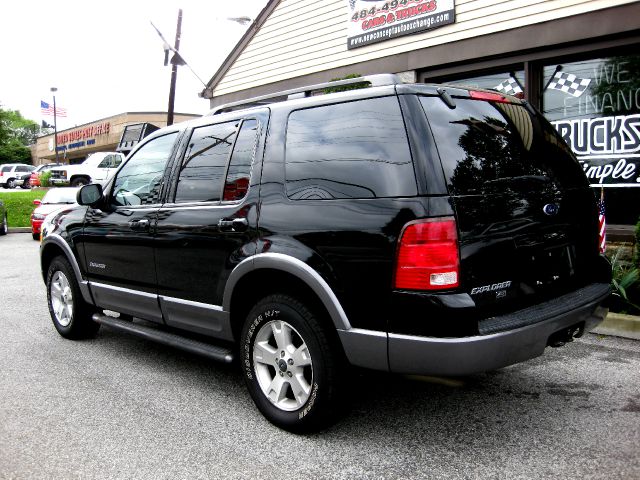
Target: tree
[(16, 134)]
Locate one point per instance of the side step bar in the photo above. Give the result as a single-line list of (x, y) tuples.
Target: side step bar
[(213, 352)]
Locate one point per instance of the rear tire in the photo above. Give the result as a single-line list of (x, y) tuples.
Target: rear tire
[(292, 367), (4, 228), (10, 184), (71, 315)]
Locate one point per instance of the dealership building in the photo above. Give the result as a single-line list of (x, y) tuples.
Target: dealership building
[(578, 61), (75, 144)]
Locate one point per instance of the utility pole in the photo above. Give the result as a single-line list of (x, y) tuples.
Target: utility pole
[(55, 122), (174, 72)]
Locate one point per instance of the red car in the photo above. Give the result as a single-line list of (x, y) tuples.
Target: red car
[(54, 200), (34, 180)]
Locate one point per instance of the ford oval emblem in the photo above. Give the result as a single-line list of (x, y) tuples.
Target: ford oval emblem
[(551, 209)]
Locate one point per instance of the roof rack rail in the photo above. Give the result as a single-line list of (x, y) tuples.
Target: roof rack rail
[(378, 80)]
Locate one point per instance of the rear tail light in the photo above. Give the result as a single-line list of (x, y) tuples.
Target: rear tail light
[(428, 257)]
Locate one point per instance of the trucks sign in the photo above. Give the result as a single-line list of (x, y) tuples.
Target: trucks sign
[(376, 21)]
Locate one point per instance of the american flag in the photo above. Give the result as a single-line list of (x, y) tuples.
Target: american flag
[(47, 109), (602, 224)]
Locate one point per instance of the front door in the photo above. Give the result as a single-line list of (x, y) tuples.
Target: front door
[(211, 224), (118, 240)]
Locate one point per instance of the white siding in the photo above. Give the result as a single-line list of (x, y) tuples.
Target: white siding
[(306, 36)]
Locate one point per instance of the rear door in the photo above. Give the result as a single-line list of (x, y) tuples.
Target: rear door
[(525, 214), (210, 224)]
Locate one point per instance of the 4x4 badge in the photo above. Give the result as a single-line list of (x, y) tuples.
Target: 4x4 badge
[(551, 209)]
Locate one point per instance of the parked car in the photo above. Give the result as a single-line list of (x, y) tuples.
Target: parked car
[(416, 229), (11, 172), (22, 181), (4, 223), (55, 199), (34, 179), (98, 168)]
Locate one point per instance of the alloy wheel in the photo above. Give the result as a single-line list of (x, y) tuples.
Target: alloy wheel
[(283, 365)]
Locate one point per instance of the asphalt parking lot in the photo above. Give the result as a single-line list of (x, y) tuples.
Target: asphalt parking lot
[(121, 407)]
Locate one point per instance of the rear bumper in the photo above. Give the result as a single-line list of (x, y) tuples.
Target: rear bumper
[(462, 356)]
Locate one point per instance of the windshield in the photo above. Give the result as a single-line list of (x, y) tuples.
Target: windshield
[(60, 195)]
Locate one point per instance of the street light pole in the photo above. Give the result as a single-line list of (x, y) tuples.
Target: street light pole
[(174, 72), (55, 122)]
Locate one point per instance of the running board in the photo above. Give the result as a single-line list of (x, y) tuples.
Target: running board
[(213, 352)]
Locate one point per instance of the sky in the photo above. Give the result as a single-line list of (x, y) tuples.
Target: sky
[(105, 58)]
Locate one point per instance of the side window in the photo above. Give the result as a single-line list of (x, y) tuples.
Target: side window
[(140, 179), (107, 162), (117, 160), (349, 150), (205, 163), (239, 173)]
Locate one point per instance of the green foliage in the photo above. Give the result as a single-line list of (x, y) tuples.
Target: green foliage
[(624, 283), (45, 178), (344, 88), (20, 205), (16, 133), (14, 153)]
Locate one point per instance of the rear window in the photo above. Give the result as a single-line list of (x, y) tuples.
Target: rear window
[(349, 150), (484, 146)]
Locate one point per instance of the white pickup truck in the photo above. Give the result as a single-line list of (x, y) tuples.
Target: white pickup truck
[(99, 167)]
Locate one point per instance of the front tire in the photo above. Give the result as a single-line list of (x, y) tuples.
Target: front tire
[(291, 365), (71, 315), (79, 182)]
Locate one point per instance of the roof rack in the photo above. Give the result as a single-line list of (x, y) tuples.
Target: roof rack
[(308, 91)]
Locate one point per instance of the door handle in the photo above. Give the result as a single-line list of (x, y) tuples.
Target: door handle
[(139, 225), (233, 225)]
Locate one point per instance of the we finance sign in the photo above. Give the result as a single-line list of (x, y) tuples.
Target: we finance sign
[(376, 21)]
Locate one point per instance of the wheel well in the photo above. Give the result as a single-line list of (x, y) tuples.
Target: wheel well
[(49, 252), (263, 282), (80, 175)]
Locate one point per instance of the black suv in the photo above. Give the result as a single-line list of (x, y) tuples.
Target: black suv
[(400, 227)]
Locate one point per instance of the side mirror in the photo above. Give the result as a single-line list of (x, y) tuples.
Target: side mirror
[(90, 195), (37, 202)]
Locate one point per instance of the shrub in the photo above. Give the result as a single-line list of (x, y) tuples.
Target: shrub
[(45, 179)]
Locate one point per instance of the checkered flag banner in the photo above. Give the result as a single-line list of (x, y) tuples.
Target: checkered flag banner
[(569, 83), (509, 87)]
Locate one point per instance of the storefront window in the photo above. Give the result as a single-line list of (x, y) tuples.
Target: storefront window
[(595, 105), (511, 83)]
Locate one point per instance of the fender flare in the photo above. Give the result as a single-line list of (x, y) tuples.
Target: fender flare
[(297, 268), (58, 241)]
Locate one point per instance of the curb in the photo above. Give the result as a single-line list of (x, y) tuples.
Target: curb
[(619, 325), (19, 229)]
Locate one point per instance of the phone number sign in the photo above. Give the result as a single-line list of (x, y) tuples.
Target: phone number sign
[(377, 21)]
